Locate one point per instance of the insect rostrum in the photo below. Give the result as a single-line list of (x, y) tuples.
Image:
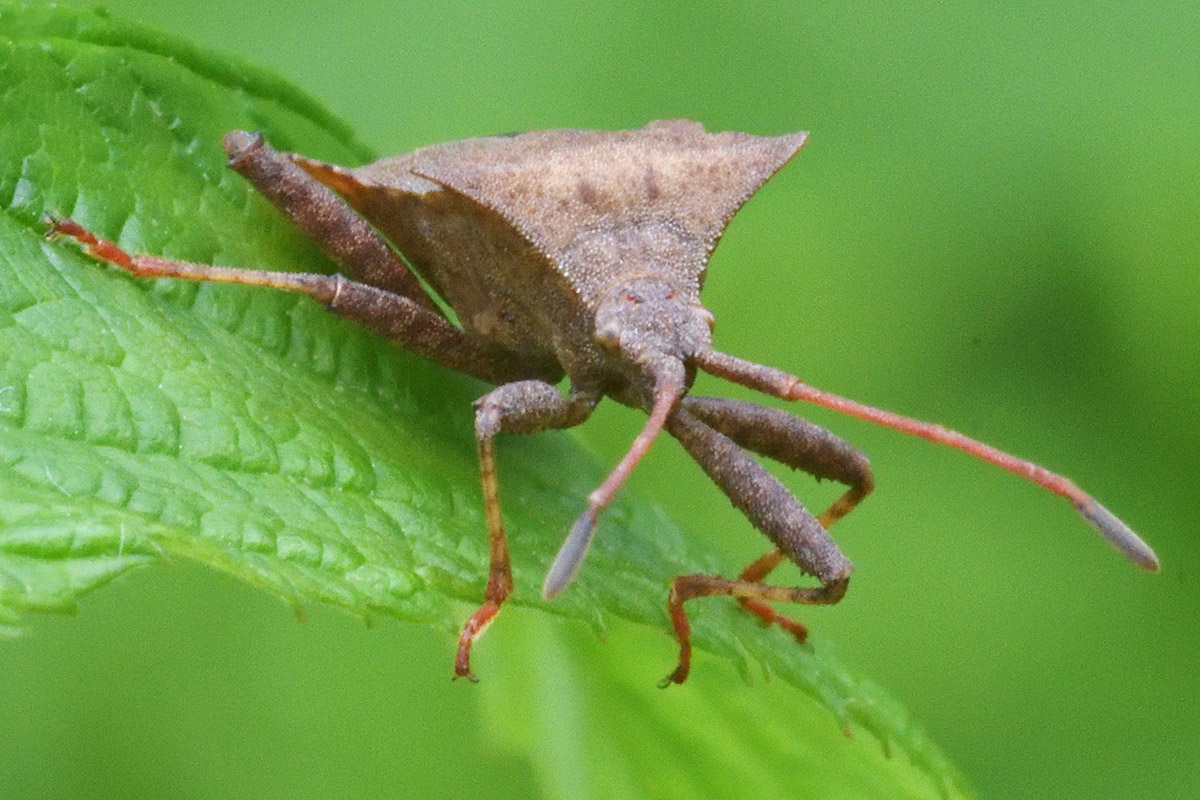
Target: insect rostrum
[(581, 254)]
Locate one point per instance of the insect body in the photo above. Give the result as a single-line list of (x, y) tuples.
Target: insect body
[(582, 254)]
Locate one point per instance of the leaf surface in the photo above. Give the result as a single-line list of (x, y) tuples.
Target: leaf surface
[(252, 432)]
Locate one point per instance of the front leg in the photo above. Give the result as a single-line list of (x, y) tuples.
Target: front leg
[(772, 509), (521, 407)]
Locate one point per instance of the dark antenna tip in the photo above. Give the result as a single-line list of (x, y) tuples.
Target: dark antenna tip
[(570, 555), (1118, 534)]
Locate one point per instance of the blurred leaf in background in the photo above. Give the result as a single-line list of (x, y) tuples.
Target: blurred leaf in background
[(993, 225)]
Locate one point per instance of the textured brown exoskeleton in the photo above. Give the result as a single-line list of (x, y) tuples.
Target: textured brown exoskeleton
[(581, 254)]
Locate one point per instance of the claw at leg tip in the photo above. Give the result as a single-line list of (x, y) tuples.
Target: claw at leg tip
[(678, 676)]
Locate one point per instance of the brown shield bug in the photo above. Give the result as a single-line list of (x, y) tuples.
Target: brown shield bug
[(582, 254)]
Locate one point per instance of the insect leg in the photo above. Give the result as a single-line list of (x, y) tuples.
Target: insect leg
[(799, 444), (395, 317), (687, 587), (767, 503), (520, 407), (324, 217)]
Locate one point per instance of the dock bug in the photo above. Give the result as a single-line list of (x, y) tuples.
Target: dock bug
[(581, 254)]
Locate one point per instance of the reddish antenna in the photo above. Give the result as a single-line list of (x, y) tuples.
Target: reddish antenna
[(778, 383), (574, 547)]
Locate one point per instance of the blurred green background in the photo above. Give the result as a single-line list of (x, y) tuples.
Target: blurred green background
[(995, 225)]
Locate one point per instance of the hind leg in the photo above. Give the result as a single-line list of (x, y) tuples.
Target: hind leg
[(797, 535), (801, 445)]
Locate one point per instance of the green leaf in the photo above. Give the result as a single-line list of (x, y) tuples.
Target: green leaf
[(252, 432)]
